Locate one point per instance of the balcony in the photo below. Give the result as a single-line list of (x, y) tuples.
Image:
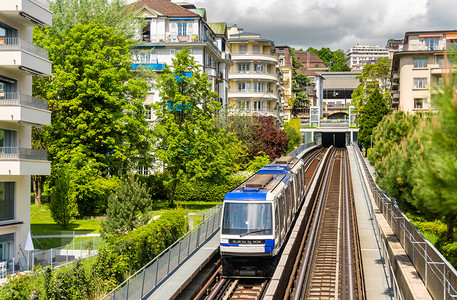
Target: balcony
[(17, 107), (255, 56), (147, 65), (22, 161), (254, 75), (249, 93), (28, 12), (151, 40), (21, 56)]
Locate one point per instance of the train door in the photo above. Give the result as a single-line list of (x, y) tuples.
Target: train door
[(277, 223), (282, 219)]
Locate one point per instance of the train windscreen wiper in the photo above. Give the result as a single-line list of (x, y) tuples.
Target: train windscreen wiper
[(253, 231)]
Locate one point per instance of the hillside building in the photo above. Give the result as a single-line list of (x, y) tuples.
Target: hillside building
[(360, 56)]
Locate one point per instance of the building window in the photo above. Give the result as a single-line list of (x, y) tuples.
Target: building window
[(259, 87), (6, 246), (244, 105), (259, 68), (259, 106), (243, 49), (172, 51), (420, 63), (148, 112), (420, 103), (244, 68), (6, 201), (420, 83), (8, 141), (182, 28), (143, 171), (256, 49), (244, 86), (431, 43)]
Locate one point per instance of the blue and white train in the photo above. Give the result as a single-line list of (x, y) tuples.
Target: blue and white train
[(257, 216)]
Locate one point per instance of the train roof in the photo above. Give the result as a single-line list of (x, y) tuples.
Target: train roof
[(264, 181)]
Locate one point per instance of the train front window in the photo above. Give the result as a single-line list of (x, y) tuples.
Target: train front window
[(247, 218)]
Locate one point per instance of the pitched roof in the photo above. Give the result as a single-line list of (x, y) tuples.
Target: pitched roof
[(218, 28), (165, 7)]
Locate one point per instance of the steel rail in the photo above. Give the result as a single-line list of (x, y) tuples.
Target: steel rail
[(348, 231), (310, 245)]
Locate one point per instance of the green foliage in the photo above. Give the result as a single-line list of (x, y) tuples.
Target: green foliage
[(71, 284), (109, 13), (95, 99), (293, 138), (18, 288), (127, 253), (299, 83), (127, 208), (63, 206), (370, 116), (191, 146), (155, 185), (449, 251), (373, 77), (436, 174), (334, 60), (258, 162)]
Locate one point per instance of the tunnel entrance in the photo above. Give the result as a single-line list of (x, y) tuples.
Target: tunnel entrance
[(337, 139)]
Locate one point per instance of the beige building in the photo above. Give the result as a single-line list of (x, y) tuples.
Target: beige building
[(19, 111), (419, 66), (254, 78)]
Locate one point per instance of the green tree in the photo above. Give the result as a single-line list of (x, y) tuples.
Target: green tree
[(107, 13), (127, 208), (373, 77), (95, 99), (334, 60), (189, 143), (436, 174), (63, 206), (293, 137), (370, 116), (299, 83)]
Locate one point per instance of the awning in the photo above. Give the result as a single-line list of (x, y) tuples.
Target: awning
[(451, 36)]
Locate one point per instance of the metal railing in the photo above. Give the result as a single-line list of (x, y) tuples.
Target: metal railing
[(54, 257), (153, 273), (7, 153), (14, 43), (438, 275), (301, 148), (14, 98)]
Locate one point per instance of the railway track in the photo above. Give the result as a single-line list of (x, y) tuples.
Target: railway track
[(226, 288), (329, 265)]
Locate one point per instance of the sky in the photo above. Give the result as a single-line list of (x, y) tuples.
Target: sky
[(335, 24)]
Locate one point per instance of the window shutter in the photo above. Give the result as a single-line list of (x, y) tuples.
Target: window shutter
[(173, 28)]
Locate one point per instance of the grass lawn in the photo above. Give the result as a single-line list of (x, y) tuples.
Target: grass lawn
[(43, 224)]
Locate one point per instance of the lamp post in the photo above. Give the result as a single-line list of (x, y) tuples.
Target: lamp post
[(371, 141)]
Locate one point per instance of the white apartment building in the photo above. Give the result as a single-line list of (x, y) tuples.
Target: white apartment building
[(418, 66), (255, 77), (19, 111), (170, 28), (359, 56)]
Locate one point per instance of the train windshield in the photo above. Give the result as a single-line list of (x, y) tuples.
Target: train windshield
[(247, 218)]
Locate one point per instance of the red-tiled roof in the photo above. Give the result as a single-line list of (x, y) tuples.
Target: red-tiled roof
[(165, 7), (311, 58)]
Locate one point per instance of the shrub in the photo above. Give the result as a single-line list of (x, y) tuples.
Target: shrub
[(449, 251), (126, 254)]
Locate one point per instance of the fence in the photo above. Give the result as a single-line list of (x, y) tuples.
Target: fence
[(438, 275), (152, 274), (301, 148), (54, 257)]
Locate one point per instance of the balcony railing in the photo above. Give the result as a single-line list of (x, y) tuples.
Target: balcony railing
[(14, 43), (8, 153), (8, 99)]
